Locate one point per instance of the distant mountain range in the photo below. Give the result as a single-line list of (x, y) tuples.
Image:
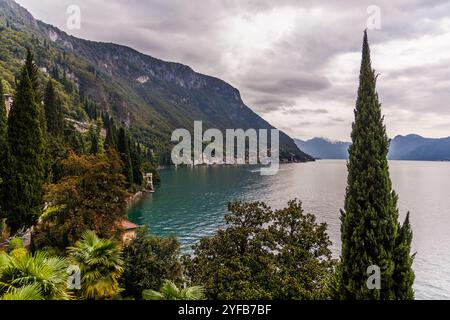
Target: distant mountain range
[(322, 148), (415, 147), (410, 147)]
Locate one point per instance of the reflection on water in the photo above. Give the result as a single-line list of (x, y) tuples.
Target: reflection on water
[(191, 203)]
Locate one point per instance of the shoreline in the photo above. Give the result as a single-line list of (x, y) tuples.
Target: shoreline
[(133, 199)]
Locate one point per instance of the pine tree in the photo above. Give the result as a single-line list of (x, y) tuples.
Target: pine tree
[(124, 150), (28, 153), (53, 111), (3, 152), (370, 231)]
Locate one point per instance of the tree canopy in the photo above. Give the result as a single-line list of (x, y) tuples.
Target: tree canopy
[(264, 254), (90, 196)]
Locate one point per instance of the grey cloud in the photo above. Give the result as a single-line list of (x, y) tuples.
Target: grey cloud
[(295, 111), (337, 119), (297, 86)]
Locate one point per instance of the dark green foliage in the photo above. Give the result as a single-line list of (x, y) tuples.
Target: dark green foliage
[(91, 109), (94, 145), (290, 259), (57, 150), (28, 152), (57, 141), (148, 261), (91, 196), (136, 162), (4, 151), (124, 150), (403, 274), (74, 139), (53, 111), (370, 230), (33, 75), (111, 134)]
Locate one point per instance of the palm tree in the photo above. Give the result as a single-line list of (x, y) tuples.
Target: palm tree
[(29, 292), (101, 266), (37, 276), (169, 291)]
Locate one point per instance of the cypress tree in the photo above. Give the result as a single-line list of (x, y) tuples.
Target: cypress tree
[(53, 111), (370, 231), (33, 71), (109, 140), (98, 132), (403, 273), (3, 152), (136, 162), (124, 150), (94, 145), (114, 132), (33, 75), (26, 138)]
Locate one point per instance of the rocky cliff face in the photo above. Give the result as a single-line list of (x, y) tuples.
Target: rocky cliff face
[(152, 96)]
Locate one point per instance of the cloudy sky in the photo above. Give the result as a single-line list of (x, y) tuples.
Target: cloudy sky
[(296, 62)]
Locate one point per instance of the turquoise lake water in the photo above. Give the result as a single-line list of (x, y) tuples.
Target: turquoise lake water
[(191, 203)]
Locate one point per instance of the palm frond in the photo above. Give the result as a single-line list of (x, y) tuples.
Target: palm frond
[(29, 292), (152, 295)]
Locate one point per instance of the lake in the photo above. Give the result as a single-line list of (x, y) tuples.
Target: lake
[(191, 203)]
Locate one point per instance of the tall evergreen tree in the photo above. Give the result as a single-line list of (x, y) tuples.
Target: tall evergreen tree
[(33, 75), (114, 132), (53, 111), (136, 162), (28, 152), (33, 71), (109, 140), (124, 150), (56, 140), (403, 273), (94, 145), (370, 231), (4, 148)]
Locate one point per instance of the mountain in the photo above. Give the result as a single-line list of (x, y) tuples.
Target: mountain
[(150, 96), (410, 147), (415, 147), (321, 148)]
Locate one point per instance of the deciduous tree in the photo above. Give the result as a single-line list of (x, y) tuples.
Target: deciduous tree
[(90, 196), (148, 261), (264, 254)]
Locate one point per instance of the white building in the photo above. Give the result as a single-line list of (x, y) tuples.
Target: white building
[(8, 103)]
